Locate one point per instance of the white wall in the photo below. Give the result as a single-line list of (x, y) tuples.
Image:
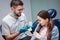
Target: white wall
[(38, 5), (27, 9), (4, 8)]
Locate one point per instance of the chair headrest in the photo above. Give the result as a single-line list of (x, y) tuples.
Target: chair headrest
[(52, 13)]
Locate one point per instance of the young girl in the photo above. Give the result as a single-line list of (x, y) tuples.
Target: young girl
[(46, 30)]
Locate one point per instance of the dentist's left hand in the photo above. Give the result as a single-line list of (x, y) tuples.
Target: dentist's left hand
[(22, 29)]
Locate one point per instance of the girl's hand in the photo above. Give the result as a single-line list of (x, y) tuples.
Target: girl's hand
[(37, 35)]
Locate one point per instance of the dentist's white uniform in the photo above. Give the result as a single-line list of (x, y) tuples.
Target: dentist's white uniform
[(11, 25)]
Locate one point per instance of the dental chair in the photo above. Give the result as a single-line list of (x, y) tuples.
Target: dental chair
[(1, 38)]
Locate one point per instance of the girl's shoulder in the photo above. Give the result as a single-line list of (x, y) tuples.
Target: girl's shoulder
[(55, 33), (55, 28)]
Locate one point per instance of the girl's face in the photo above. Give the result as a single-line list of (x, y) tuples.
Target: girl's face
[(42, 21)]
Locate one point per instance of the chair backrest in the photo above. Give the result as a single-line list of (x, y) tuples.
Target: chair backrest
[(34, 26), (0, 28), (57, 23), (1, 38)]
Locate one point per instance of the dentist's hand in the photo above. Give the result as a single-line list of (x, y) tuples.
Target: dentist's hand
[(25, 28), (22, 29), (29, 26)]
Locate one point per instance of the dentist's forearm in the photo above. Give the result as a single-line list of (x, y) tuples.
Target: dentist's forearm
[(11, 36)]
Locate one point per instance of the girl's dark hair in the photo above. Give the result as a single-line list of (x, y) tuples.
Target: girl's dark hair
[(44, 14), (15, 3)]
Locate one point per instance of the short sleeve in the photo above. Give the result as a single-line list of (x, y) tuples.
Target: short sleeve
[(5, 29)]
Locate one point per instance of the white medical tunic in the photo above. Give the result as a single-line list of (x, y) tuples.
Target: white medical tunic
[(11, 25)]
